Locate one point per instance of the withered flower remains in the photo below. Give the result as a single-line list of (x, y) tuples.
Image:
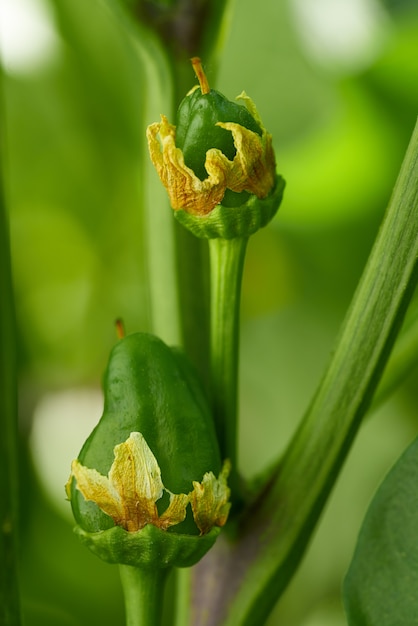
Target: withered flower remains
[(149, 488), (130, 492)]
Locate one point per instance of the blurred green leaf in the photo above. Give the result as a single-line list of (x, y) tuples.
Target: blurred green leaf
[(380, 588), (394, 76), (9, 461), (108, 67), (346, 162), (45, 615), (77, 149)]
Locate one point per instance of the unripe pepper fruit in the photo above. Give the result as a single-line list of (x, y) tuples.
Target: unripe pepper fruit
[(197, 132), (220, 175), (152, 389)]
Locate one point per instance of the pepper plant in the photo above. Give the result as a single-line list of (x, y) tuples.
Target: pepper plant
[(156, 488)]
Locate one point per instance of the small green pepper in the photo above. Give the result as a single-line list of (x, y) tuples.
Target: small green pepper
[(217, 164), (198, 131), (151, 461)]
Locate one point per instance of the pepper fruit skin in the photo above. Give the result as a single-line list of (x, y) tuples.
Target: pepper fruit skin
[(152, 389), (198, 131)]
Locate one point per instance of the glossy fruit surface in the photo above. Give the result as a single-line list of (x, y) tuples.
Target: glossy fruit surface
[(152, 389), (197, 132)]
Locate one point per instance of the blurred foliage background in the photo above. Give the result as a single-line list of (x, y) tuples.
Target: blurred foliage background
[(336, 83)]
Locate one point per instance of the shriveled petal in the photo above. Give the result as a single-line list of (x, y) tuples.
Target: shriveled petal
[(210, 500), (175, 512), (253, 167), (136, 477), (98, 489), (129, 493), (186, 191), (249, 104)]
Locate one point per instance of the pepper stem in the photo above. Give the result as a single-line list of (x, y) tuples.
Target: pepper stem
[(201, 76), (120, 328), (143, 590), (227, 263)]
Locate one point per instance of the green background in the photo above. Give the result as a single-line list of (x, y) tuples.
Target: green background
[(75, 148)]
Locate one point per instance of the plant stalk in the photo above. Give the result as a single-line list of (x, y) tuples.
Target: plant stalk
[(285, 518), (226, 264), (403, 361), (10, 613), (252, 573), (143, 590), (183, 596)]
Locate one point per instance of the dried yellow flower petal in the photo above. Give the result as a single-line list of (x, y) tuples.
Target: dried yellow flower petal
[(210, 500), (130, 491), (186, 191), (252, 169)]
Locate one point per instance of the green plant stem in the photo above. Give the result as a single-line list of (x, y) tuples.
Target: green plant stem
[(10, 614), (402, 362), (290, 509), (143, 591), (159, 236), (183, 596), (253, 571), (193, 286), (178, 266), (192, 261), (226, 264)]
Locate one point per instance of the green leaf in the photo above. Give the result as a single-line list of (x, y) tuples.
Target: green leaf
[(380, 588)]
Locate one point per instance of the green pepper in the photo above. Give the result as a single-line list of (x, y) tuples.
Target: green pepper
[(197, 132), (217, 163), (155, 418)]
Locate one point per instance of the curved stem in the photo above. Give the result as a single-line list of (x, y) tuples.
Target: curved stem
[(227, 262), (143, 590)]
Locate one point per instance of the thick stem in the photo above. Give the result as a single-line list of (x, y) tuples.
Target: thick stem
[(159, 223), (183, 594), (402, 362), (193, 285), (143, 590), (177, 262), (192, 263), (227, 262)]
